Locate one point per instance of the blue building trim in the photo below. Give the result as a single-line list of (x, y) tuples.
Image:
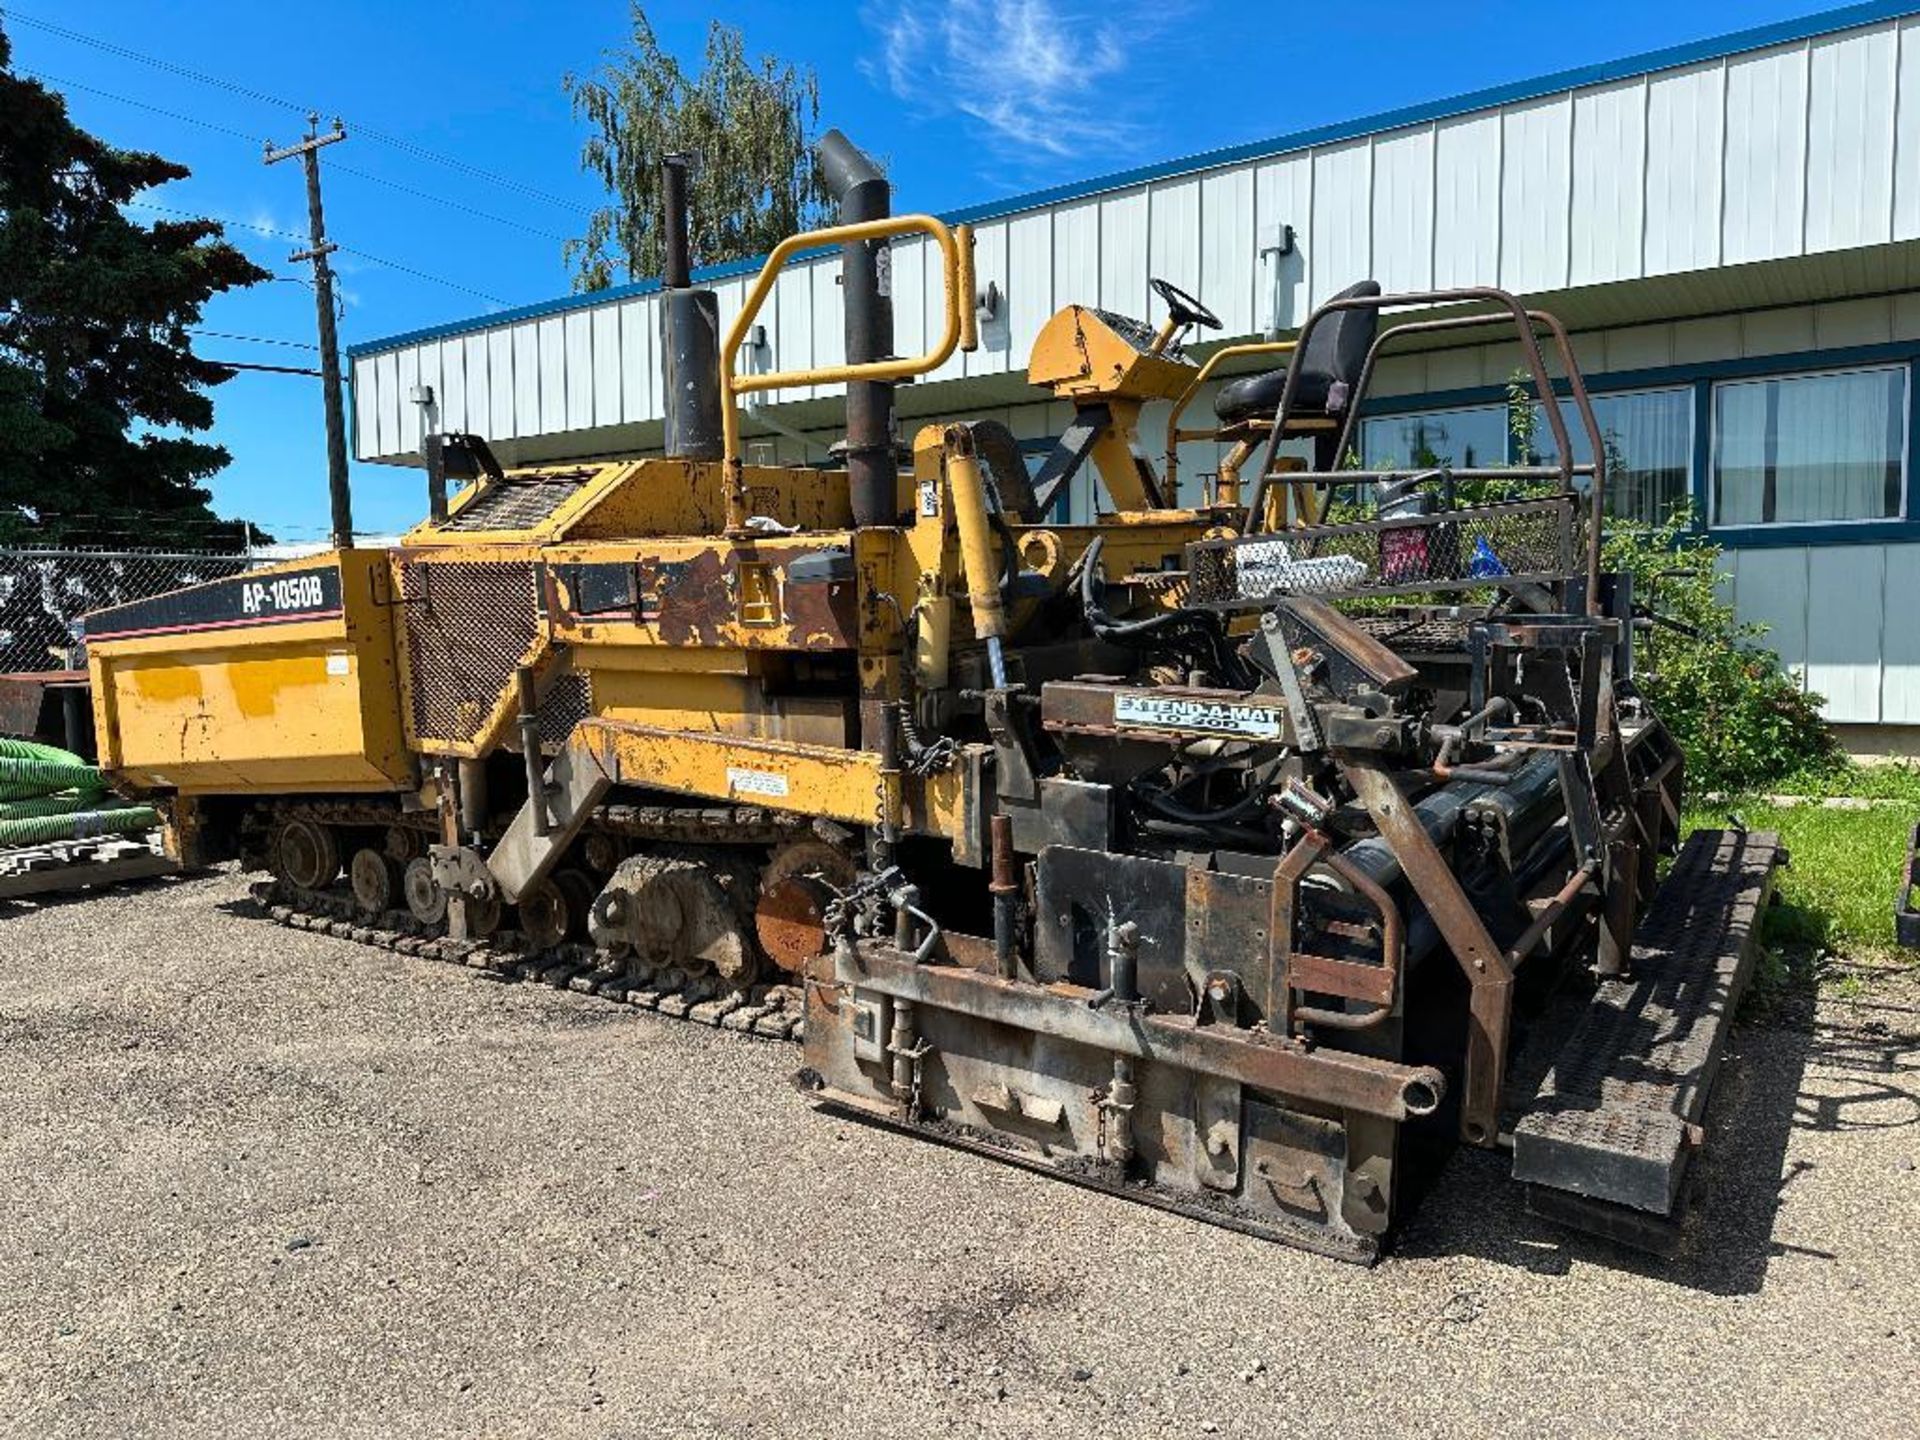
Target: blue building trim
[(1740, 42), (1701, 377)]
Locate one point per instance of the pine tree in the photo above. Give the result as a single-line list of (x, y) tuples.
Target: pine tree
[(100, 391)]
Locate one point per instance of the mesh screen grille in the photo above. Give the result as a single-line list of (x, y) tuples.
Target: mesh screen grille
[(1429, 635), (568, 701), (518, 503), (1453, 550), (469, 625)]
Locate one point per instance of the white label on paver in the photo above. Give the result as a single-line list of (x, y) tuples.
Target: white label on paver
[(755, 782), (1208, 717)]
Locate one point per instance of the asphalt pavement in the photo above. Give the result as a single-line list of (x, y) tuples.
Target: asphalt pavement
[(259, 1182)]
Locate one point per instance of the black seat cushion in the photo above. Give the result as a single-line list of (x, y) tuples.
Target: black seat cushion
[(1334, 353), (1254, 396)]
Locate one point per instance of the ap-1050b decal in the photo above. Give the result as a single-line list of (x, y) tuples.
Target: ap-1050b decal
[(246, 600)]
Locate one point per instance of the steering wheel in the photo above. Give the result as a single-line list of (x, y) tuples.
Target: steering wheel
[(1182, 308)]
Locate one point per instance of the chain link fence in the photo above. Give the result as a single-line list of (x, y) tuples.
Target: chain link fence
[(43, 593)]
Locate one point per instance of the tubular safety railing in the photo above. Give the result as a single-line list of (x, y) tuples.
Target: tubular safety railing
[(961, 332)]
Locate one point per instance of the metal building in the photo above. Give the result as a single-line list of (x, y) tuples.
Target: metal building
[(1732, 228)]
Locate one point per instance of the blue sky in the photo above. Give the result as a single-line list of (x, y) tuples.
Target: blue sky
[(968, 101)]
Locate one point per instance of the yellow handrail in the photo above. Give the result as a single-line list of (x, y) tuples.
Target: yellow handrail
[(1174, 433), (956, 254)]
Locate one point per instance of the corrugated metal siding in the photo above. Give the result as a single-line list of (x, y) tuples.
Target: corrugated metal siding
[(1834, 616), (1535, 194), (1682, 218), (1228, 249), (995, 354), (1906, 147), (1609, 181), (1341, 228), (1850, 139), (1283, 195), (1403, 210), (1900, 640), (1466, 201)]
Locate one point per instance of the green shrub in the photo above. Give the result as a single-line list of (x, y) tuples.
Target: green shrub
[(1741, 719)]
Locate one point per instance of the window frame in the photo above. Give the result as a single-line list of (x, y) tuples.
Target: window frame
[(1686, 391), (1470, 407), (1706, 490)]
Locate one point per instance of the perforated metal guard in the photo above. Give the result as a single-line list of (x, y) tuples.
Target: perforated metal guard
[(518, 503), (1537, 540), (568, 701), (1428, 635), (469, 626)]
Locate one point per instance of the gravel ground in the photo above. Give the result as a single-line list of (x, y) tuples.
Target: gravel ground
[(261, 1182)]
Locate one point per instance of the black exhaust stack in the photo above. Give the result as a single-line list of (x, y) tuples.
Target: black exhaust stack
[(867, 292), (689, 333)]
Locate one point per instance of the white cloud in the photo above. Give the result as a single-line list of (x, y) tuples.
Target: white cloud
[(1045, 78)]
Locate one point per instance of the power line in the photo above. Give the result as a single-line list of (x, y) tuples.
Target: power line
[(228, 130), (255, 339), (234, 87), (423, 275), (345, 249), (47, 79), (421, 152), (168, 66), (215, 219), (340, 169)]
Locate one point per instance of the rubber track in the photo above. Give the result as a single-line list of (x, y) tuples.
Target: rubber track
[(772, 1012)]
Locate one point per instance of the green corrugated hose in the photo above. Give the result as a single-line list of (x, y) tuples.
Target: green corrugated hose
[(126, 820), (30, 779), (49, 794), (11, 749)]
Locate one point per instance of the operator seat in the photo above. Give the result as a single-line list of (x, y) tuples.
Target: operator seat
[(1329, 370)]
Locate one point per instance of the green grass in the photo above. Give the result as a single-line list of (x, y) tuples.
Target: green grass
[(1840, 889), (1896, 780)]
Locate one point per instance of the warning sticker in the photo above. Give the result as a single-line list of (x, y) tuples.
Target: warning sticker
[(1202, 717), (755, 782)]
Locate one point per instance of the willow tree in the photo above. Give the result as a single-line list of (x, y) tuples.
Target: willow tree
[(749, 124)]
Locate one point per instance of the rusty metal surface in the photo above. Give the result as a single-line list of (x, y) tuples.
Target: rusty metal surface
[(796, 594), (1479, 958), (1305, 1233), (1339, 1079), (797, 885), (30, 704)]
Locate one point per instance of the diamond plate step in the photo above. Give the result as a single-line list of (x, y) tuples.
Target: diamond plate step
[(1617, 1118)]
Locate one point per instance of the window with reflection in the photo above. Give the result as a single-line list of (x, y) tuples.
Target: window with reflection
[(1806, 449)]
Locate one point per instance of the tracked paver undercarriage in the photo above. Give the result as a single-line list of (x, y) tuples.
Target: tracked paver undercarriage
[(1209, 855)]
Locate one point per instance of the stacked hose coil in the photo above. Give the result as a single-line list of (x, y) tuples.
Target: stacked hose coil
[(47, 794)]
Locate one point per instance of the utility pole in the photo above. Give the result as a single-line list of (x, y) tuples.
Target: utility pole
[(309, 152)]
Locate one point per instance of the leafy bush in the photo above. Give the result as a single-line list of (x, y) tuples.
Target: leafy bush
[(1741, 719)]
